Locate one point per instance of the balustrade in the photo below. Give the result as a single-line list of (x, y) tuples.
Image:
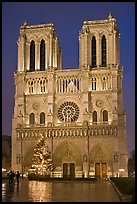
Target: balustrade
[(77, 131)]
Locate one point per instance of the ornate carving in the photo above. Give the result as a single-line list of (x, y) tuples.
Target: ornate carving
[(99, 103), (36, 106), (68, 112)]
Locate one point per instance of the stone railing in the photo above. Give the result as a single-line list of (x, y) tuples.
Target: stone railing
[(68, 131)]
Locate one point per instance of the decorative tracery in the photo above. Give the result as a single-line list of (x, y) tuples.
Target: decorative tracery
[(68, 112)]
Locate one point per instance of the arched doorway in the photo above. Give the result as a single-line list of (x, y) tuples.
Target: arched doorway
[(67, 158), (101, 160), (72, 170), (65, 170), (100, 169), (68, 170)]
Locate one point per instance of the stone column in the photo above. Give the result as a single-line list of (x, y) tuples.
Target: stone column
[(55, 52), (97, 51), (114, 41), (51, 51), (27, 65), (85, 50), (21, 53), (81, 50), (100, 51)]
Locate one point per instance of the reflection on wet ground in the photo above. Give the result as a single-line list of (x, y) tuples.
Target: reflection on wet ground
[(66, 191)]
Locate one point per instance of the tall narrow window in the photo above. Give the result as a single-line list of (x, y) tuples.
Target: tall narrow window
[(32, 118), (94, 116), (104, 83), (93, 51), (78, 84), (93, 83), (105, 115), (42, 118), (32, 56), (103, 51), (42, 55)]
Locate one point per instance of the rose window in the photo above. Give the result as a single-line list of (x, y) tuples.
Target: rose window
[(68, 112)]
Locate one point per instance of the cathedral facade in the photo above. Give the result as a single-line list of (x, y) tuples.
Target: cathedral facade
[(78, 112)]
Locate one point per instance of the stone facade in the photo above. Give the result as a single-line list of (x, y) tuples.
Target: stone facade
[(78, 111)]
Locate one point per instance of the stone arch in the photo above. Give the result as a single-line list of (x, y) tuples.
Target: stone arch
[(100, 153), (94, 33), (32, 37), (104, 32), (67, 152), (44, 36), (99, 104)]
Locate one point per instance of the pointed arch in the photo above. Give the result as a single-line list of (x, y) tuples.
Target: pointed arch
[(42, 118), (32, 56), (93, 47), (32, 118), (103, 43), (94, 116), (100, 153), (105, 115), (42, 55), (67, 151)]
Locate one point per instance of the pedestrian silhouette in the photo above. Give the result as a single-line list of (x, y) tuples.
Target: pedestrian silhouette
[(11, 176), (17, 177)]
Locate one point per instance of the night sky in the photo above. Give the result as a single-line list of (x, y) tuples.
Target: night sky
[(67, 18)]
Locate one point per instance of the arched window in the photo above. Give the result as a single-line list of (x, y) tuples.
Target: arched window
[(105, 115), (42, 118), (32, 118), (42, 55), (104, 83), (93, 51), (32, 56), (103, 51), (94, 116)]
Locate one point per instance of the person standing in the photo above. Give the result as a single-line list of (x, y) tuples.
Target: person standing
[(17, 177), (10, 176)]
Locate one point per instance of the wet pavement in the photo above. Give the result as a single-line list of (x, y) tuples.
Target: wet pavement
[(65, 191)]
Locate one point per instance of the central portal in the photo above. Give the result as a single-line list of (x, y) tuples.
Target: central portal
[(101, 170), (69, 170)]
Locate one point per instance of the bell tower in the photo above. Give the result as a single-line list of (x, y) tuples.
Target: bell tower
[(99, 58), (38, 48), (99, 43)]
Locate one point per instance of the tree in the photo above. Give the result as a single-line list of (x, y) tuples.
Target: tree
[(42, 161)]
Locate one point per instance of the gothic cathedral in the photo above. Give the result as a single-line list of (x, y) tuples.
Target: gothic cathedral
[(78, 112)]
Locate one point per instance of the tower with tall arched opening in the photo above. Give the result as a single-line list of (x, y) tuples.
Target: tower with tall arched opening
[(78, 113)]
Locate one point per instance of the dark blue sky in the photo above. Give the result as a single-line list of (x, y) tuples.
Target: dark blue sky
[(67, 18)]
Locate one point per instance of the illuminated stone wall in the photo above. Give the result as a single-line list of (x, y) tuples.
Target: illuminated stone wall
[(78, 111)]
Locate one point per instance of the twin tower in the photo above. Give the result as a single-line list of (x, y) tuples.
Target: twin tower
[(39, 48), (79, 112)]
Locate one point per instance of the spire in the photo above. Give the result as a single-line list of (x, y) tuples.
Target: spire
[(110, 15), (25, 23)]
